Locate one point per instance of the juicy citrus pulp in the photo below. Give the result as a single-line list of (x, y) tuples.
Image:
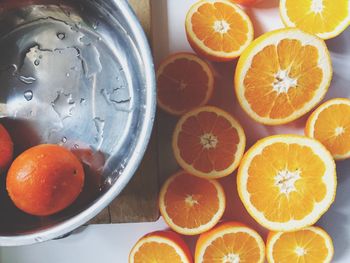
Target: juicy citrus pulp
[(218, 30), (191, 205), (282, 75), (208, 142), (160, 247), (230, 242), (6, 149), (287, 182), (330, 124), (184, 82), (324, 18), (311, 244)]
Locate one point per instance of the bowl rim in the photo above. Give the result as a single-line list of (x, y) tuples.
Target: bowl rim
[(62, 229)]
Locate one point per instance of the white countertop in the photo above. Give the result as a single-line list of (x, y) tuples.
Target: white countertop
[(112, 243)]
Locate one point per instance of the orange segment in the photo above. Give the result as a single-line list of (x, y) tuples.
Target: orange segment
[(311, 244), (330, 124), (219, 30), (208, 142), (287, 182), (160, 247), (230, 242), (324, 18), (184, 82), (282, 75), (191, 205)]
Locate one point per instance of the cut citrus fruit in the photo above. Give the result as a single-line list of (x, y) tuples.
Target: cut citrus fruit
[(184, 82), (282, 75), (330, 124), (246, 2), (287, 182), (230, 242), (191, 205), (208, 142), (218, 29), (45, 179), (6, 149), (311, 244), (324, 18), (160, 247)]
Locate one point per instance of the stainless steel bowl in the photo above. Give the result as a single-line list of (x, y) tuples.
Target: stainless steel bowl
[(77, 73)]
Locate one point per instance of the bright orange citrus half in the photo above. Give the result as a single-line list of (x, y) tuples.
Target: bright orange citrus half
[(218, 29), (184, 82), (330, 124), (208, 142), (311, 244), (230, 242), (191, 205), (160, 247), (287, 182)]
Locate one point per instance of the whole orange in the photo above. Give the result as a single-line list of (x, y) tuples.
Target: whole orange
[(45, 180), (6, 149)]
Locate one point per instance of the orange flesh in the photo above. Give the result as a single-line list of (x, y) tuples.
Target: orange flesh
[(202, 192), (284, 250), (325, 129), (216, 158), (203, 22), (156, 252), (299, 12), (300, 62), (240, 244), (265, 193), (183, 85)]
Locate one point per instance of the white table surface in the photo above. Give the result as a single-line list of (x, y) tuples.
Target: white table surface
[(112, 243)]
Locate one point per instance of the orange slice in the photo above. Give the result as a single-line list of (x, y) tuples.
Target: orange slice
[(311, 244), (208, 142), (184, 82), (230, 242), (324, 18), (330, 124), (160, 247), (218, 29), (282, 75), (287, 182), (191, 205)]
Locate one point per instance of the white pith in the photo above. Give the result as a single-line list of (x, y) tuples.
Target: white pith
[(209, 141), (283, 82), (285, 180), (221, 26)]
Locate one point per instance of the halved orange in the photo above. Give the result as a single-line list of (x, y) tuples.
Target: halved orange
[(208, 142), (230, 242), (160, 247), (218, 29), (184, 82), (282, 75), (324, 18), (6, 149), (330, 124), (287, 182), (311, 244), (191, 205)]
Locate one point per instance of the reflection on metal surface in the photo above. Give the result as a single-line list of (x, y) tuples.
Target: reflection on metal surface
[(78, 74)]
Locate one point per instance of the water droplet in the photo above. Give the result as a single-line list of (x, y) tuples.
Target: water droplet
[(37, 62), (95, 25), (82, 101), (28, 95), (99, 38), (64, 139), (67, 75), (26, 80), (61, 36), (76, 146)]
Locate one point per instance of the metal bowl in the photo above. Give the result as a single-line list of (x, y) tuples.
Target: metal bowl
[(79, 74)]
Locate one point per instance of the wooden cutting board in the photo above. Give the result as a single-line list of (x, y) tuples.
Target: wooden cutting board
[(138, 202)]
